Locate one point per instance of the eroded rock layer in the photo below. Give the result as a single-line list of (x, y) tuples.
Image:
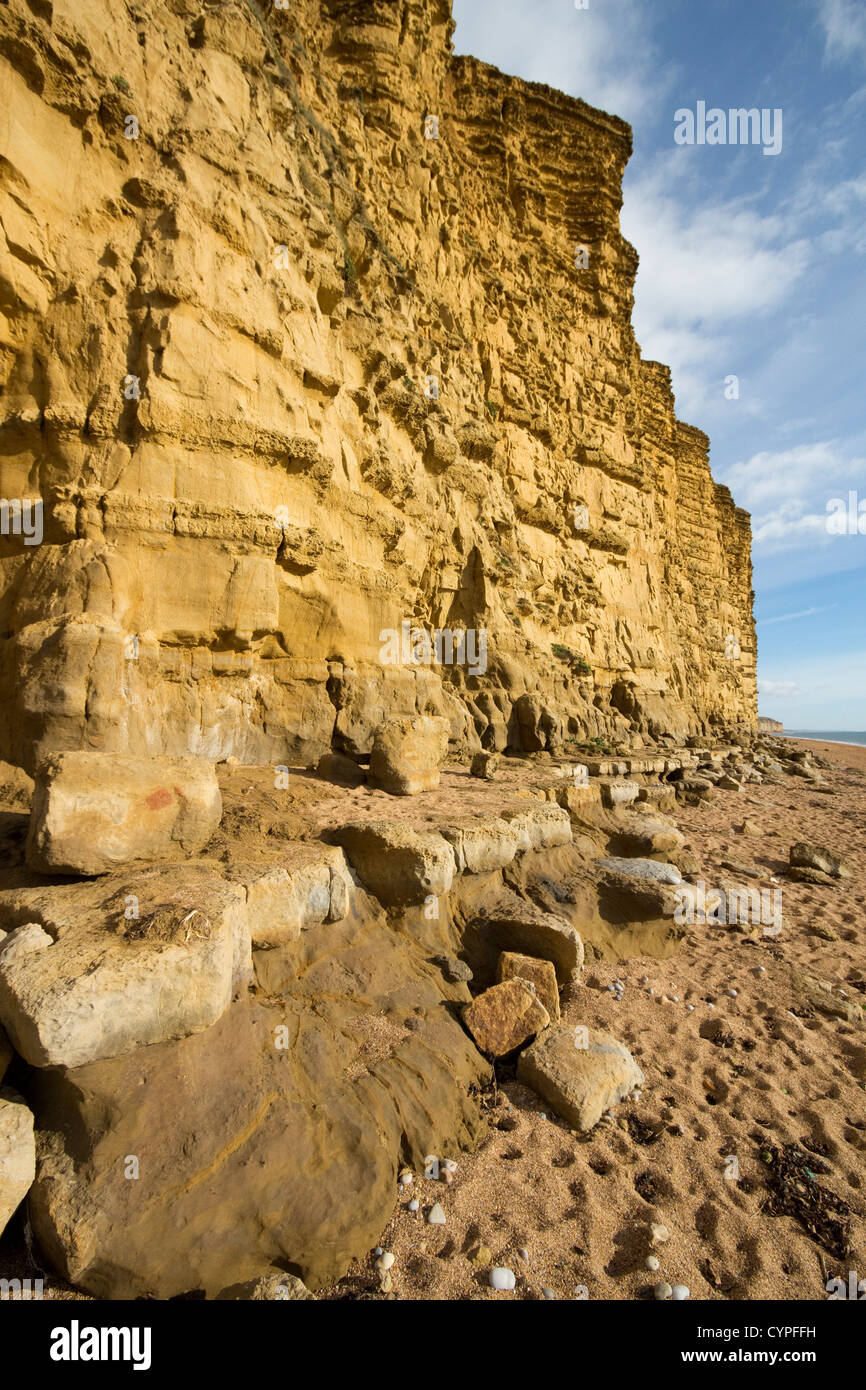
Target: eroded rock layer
[(291, 364)]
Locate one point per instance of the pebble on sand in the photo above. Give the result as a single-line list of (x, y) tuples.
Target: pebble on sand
[(414, 1205), (502, 1279), (436, 1216), (659, 1234), (662, 1291), (679, 1293), (385, 1260), (652, 1263)]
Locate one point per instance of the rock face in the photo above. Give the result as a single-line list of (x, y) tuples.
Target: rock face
[(318, 414), (93, 813), (17, 1153), (580, 1076)]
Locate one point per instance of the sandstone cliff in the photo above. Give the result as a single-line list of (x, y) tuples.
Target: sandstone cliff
[(289, 367)]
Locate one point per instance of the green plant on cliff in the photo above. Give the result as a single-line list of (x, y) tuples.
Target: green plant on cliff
[(576, 662)]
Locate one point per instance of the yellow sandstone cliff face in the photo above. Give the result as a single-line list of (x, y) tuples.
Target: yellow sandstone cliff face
[(288, 372)]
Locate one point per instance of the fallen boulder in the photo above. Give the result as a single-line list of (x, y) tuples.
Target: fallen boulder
[(96, 812), (97, 970), (505, 1016), (407, 755), (581, 1072), (805, 856)]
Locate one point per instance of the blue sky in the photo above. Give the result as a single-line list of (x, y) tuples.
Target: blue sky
[(752, 265)]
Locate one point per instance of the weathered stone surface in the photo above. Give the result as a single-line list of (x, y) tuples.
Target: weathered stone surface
[(80, 980), (93, 813), (644, 868), (803, 856), (540, 973), (505, 1016), (407, 755), (580, 1082), (541, 827), (272, 1139), (6, 1050), (618, 793), (312, 884), (509, 923), (483, 843), (400, 866), (17, 1153)]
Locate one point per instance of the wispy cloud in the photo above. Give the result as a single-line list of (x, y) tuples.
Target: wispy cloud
[(844, 23), (789, 617)]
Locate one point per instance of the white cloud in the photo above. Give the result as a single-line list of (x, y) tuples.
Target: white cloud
[(708, 268), (778, 690), (844, 23), (604, 55)]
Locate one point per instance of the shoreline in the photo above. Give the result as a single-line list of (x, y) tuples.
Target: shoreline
[(847, 755)]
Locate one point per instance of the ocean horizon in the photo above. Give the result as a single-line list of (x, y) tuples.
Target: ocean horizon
[(820, 736)]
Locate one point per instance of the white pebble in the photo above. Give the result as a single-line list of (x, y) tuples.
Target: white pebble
[(414, 1205), (436, 1216), (652, 1263), (659, 1233), (679, 1293), (378, 1250), (449, 1165), (690, 1008), (502, 1279), (548, 1294), (733, 993), (405, 1180), (385, 1260), (662, 1291), (637, 1095)]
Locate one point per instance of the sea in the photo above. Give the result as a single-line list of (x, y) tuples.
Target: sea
[(819, 735)]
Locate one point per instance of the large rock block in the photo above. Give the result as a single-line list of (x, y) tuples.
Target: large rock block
[(101, 969), (541, 827), (509, 923), (581, 1072), (272, 1140), (95, 812), (483, 844), (400, 866), (407, 755), (17, 1154)]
